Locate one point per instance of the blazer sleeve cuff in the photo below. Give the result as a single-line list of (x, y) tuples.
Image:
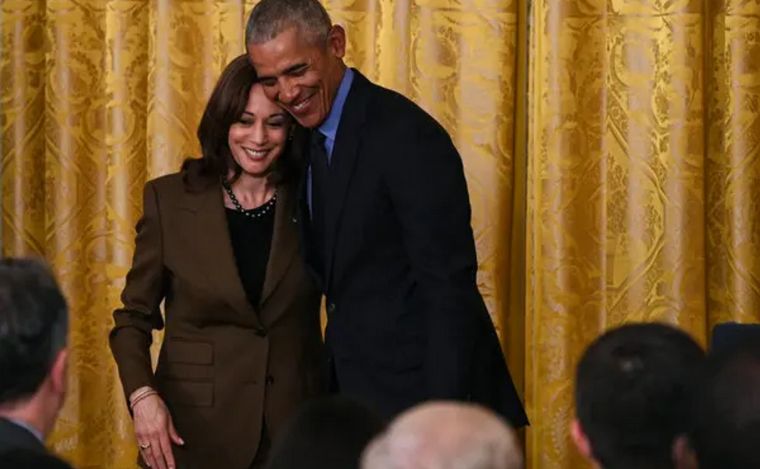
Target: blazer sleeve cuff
[(131, 350)]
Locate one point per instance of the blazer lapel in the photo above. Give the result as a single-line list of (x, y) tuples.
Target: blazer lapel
[(284, 244), (343, 162), (214, 250)]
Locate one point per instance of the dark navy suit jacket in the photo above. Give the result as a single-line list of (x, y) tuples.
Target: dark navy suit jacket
[(406, 322)]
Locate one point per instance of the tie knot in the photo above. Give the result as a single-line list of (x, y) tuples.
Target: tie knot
[(318, 152), (318, 138)]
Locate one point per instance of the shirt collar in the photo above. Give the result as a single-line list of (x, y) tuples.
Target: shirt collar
[(37, 434), (329, 127)]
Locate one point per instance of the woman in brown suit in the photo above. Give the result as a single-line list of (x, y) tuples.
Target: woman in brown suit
[(217, 244)]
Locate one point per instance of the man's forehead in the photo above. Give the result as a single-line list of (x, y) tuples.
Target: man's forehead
[(287, 46)]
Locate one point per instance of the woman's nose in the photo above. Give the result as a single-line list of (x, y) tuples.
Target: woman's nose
[(259, 134)]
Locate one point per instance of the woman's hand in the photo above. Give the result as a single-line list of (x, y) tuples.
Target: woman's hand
[(155, 431)]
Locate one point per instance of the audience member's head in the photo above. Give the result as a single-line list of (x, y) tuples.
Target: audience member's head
[(445, 435), (33, 328), (726, 434), (327, 433), (633, 395)]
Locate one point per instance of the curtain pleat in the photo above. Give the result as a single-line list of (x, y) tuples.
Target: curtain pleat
[(733, 162), (616, 173)]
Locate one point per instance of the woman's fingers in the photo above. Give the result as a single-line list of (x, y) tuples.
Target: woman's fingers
[(157, 453), (147, 455), (166, 448), (154, 430), (173, 433)]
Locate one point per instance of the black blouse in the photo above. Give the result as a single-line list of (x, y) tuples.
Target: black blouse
[(251, 238)]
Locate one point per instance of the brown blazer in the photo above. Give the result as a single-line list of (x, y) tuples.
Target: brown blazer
[(225, 366)]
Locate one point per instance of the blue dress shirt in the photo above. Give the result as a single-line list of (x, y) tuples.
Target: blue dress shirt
[(329, 127)]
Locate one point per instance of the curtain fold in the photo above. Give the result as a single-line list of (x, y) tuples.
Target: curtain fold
[(611, 148), (733, 162), (22, 120)]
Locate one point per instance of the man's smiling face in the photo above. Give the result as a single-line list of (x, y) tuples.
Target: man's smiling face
[(299, 74)]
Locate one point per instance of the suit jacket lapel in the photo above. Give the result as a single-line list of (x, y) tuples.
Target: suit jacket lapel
[(284, 244), (343, 161), (214, 249)]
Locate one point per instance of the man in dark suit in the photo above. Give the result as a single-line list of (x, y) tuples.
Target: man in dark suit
[(33, 354), (386, 217)]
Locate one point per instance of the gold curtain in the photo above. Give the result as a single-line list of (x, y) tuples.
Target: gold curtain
[(642, 182), (612, 151)]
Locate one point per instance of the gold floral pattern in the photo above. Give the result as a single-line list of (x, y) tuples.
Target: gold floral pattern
[(626, 187), (641, 206)]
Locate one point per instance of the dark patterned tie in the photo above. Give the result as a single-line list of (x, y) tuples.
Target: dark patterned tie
[(319, 175)]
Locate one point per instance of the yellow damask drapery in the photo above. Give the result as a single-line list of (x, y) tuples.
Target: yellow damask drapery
[(643, 168), (612, 151)]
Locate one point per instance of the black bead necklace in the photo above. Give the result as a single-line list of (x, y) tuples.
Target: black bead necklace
[(256, 212)]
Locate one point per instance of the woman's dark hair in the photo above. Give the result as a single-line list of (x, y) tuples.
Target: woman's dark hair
[(224, 108)]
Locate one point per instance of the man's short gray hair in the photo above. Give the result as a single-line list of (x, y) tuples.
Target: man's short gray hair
[(271, 17), (445, 436)]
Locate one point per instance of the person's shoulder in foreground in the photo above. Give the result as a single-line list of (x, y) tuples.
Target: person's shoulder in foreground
[(28, 459)]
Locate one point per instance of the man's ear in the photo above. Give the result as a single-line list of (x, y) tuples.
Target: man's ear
[(336, 41), (59, 372), (580, 439), (684, 456)]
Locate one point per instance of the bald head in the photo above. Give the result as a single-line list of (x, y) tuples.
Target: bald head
[(445, 435)]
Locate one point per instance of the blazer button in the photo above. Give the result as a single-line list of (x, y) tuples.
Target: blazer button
[(331, 308), (261, 332), (270, 379), (294, 220)]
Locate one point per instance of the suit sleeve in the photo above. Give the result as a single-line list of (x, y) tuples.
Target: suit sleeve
[(145, 288), (429, 195)]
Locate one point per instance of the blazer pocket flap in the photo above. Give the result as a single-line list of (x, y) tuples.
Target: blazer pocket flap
[(189, 393), (185, 371), (188, 351)]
